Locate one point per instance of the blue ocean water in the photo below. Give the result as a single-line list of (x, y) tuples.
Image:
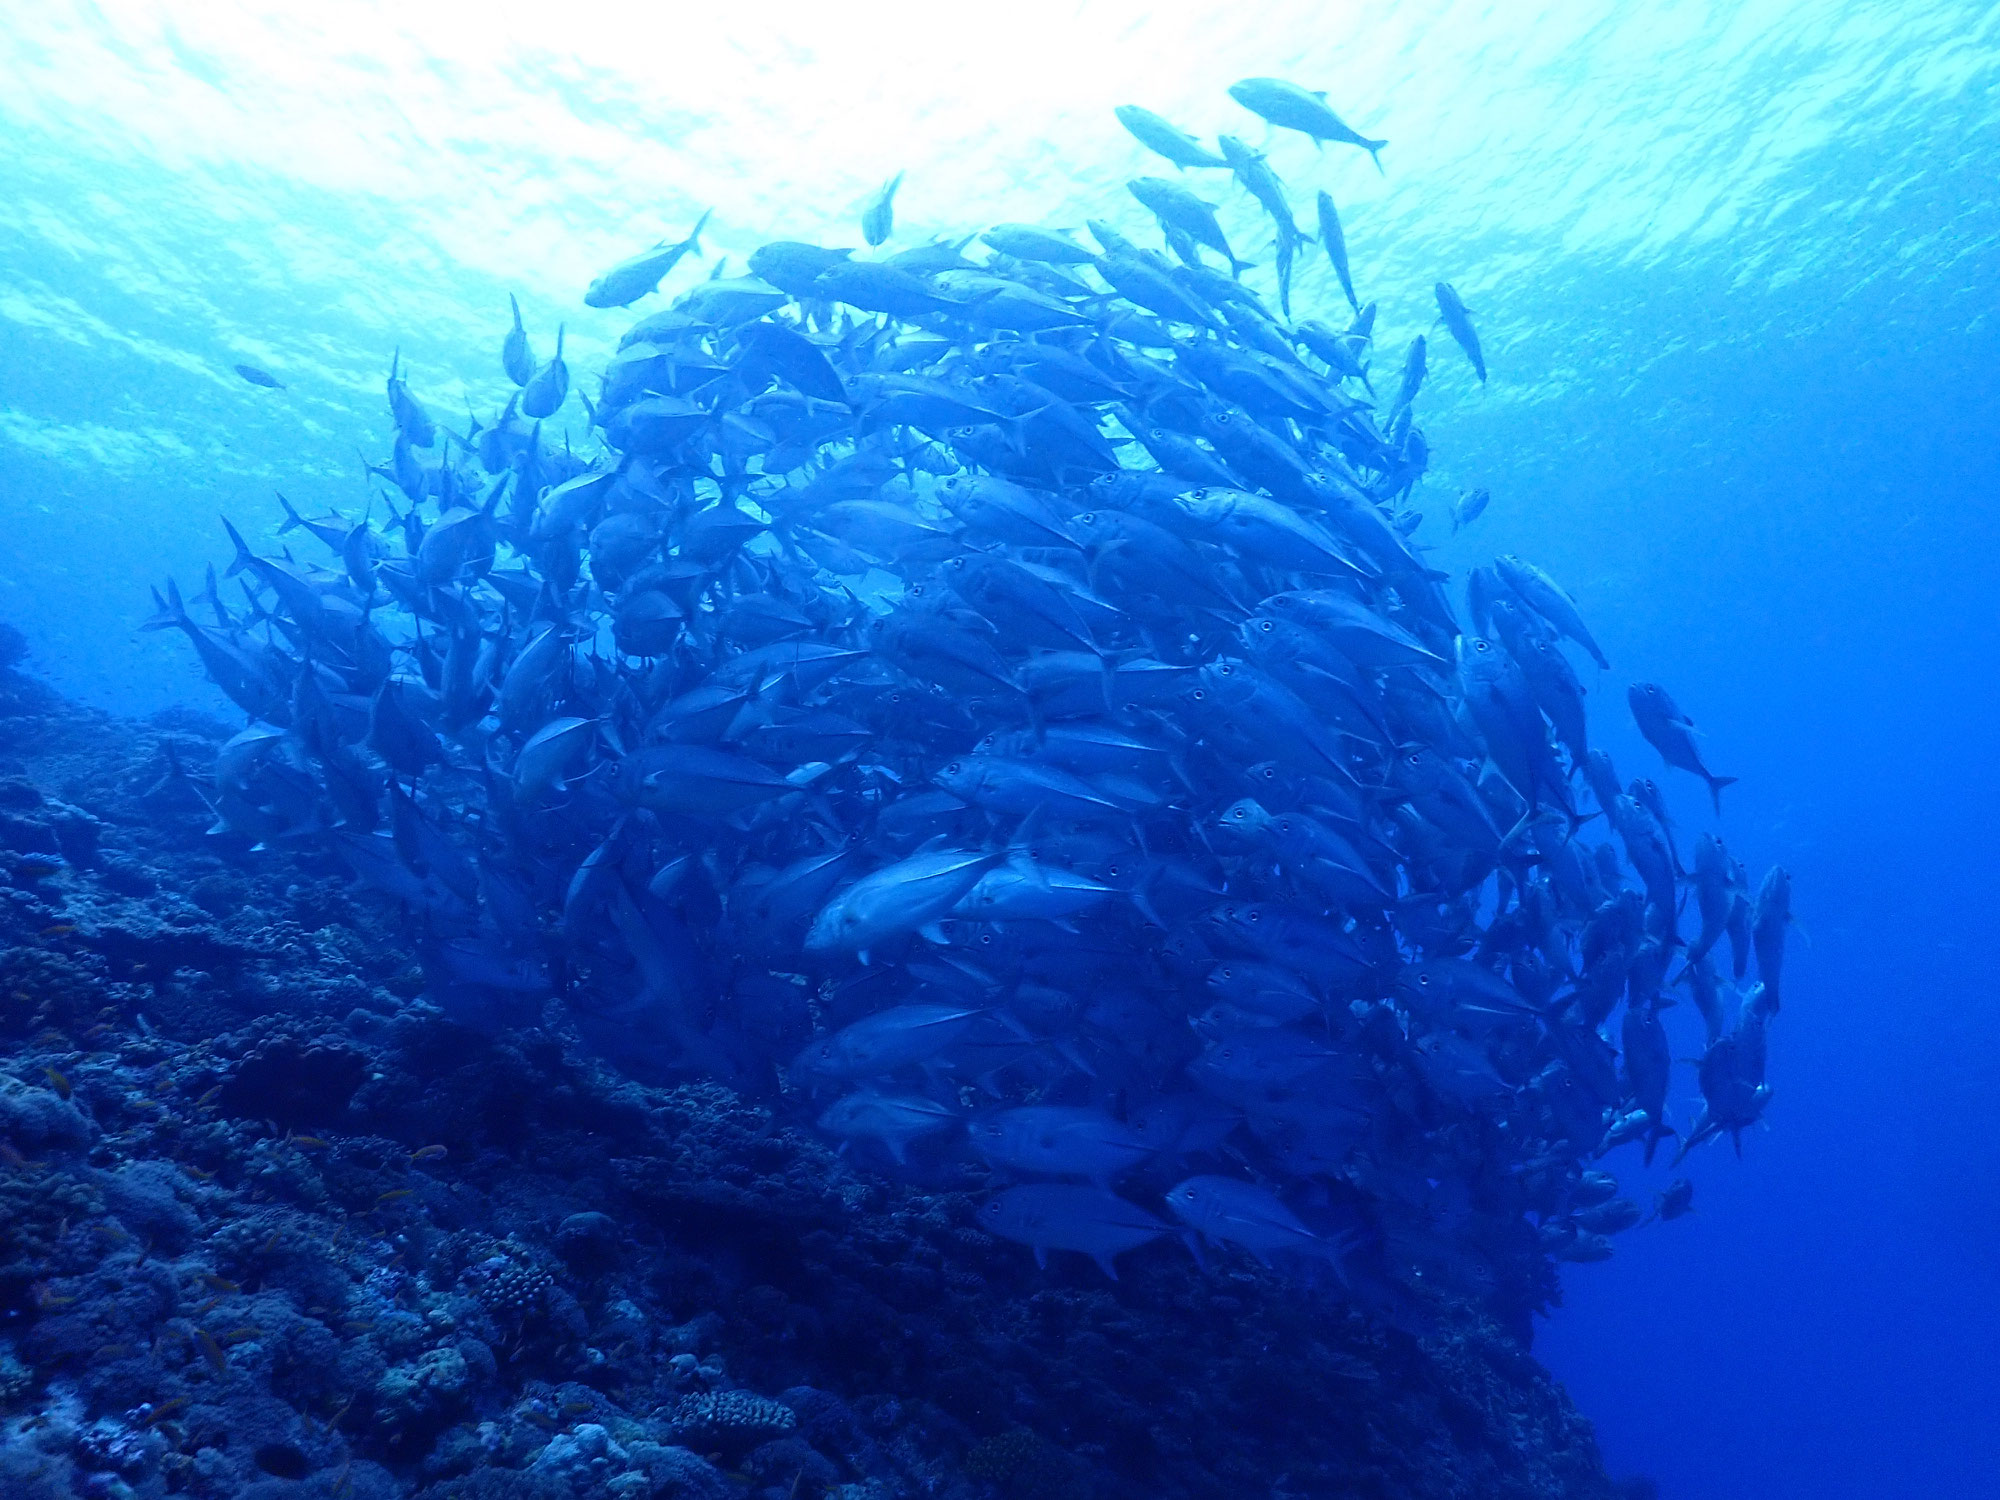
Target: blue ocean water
[(1729, 262)]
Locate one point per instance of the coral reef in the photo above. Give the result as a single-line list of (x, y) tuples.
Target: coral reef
[(273, 1225)]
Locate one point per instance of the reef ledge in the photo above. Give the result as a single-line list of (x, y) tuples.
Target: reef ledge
[(273, 1226)]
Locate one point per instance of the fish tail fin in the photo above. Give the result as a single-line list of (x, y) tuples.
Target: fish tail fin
[(1715, 786), (1374, 150), (1658, 1131), (1016, 428), (244, 558), (293, 520), (168, 613), (694, 234)]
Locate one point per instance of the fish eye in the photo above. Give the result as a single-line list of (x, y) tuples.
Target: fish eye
[(1265, 626), (954, 768), (1423, 980), (1199, 694), (1255, 916), (1088, 518)]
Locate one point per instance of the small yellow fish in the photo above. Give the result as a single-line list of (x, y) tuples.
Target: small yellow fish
[(429, 1153), (395, 1193), (57, 1082), (164, 1410), (211, 1350), (59, 929)]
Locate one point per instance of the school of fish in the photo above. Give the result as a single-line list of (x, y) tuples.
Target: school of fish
[(990, 705)]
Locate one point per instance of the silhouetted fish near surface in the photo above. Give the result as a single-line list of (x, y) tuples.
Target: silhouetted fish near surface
[(1470, 507), (1333, 239), (629, 280), (516, 357), (878, 219), (1291, 107), (256, 376), (1180, 209), (1032, 242), (1165, 138), (1458, 321)]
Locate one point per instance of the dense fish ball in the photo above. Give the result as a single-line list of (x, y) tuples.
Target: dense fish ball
[(995, 709)]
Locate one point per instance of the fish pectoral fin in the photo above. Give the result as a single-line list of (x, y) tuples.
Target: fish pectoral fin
[(934, 932)]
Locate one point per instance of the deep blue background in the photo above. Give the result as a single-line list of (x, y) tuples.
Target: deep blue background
[(1797, 534)]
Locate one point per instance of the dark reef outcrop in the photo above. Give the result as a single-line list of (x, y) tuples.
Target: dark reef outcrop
[(272, 1226)]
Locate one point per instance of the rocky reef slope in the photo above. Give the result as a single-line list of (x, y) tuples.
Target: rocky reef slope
[(272, 1226)]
